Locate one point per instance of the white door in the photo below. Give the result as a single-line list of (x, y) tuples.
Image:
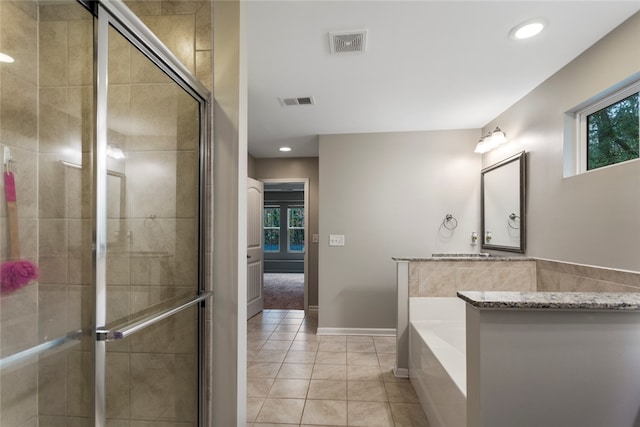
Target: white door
[(255, 202)]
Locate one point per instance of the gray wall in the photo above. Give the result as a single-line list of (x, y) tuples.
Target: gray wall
[(298, 167), (228, 367), (388, 193), (593, 218)]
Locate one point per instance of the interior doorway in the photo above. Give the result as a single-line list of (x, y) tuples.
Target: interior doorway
[(286, 225)]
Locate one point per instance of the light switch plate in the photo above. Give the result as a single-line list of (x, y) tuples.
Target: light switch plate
[(315, 238), (336, 240)]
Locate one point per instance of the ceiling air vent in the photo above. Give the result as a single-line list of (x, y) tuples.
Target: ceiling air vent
[(305, 100), (348, 41)]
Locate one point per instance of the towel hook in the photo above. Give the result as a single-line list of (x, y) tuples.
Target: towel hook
[(449, 222)]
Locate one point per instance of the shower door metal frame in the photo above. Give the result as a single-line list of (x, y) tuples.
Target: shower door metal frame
[(115, 14)]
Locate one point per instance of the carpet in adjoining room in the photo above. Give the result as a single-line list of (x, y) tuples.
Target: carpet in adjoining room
[(284, 290)]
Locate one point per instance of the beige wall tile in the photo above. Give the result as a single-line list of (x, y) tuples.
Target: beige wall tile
[(203, 68), (19, 402), (18, 320), (118, 373), (20, 41), (52, 384), (177, 32), (52, 312), (53, 48), (18, 113), (203, 27), (80, 53)]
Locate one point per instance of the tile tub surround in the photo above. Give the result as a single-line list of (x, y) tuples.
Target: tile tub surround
[(446, 274), (443, 276), (297, 378)]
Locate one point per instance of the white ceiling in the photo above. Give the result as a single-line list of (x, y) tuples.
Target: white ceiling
[(429, 65)]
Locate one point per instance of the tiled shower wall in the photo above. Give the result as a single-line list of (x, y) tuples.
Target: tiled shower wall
[(46, 116)]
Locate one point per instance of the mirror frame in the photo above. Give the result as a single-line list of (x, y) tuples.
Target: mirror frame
[(521, 158)]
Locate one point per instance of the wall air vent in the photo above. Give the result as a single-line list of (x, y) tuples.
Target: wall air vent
[(305, 100), (348, 41)]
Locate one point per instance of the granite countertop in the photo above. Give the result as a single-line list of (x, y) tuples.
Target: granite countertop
[(463, 257), (552, 300)]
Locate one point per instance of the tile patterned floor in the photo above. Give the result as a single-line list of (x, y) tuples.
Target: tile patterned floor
[(296, 378)]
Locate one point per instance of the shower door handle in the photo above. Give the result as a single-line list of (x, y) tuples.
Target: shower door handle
[(103, 334)]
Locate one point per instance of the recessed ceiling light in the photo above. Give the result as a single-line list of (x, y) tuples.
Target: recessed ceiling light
[(285, 149), (527, 29), (5, 58)]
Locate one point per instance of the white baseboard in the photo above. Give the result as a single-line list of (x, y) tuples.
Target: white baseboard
[(401, 372), (313, 308), (378, 332)]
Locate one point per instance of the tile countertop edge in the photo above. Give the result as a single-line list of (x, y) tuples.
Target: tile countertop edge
[(552, 300)]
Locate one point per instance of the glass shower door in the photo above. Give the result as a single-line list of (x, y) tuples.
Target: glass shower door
[(149, 300)]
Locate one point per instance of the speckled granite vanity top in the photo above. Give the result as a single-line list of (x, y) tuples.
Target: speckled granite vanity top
[(552, 300)]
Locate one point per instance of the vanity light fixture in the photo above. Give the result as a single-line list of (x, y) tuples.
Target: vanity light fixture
[(285, 149), (491, 141), (528, 29)]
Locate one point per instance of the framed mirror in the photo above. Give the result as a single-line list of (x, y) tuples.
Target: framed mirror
[(502, 201)]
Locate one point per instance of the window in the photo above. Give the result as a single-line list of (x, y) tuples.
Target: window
[(295, 226), (610, 130), (271, 218)]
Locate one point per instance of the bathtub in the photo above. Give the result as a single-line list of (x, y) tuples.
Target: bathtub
[(530, 365), (437, 358)]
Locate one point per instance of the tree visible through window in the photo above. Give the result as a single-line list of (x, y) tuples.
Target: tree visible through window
[(295, 224), (271, 225), (613, 133)]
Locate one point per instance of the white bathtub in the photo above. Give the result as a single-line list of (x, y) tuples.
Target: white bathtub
[(437, 358)]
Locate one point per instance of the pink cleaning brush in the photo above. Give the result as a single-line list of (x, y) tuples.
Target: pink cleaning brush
[(14, 273)]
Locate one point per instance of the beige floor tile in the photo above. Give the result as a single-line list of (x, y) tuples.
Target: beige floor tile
[(276, 345), (366, 391), (300, 357), (259, 387), (331, 357), (329, 372), (258, 335), (287, 411), (361, 347), (327, 389), (292, 321), (254, 404), (327, 412), (307, 336), (295, 371), (263, 369), (251, 354), (287, 328), (362, 359), (270, 356), (332, 346), (289, 388), (283, 336), (255, 344), (364, 373), (333, 338), (384, 340), (389, 377), (401, 393), (359, 339), (265, 327), (383, 347), (408, 415), (304, 346), (387, 360), (295, 314), (369, 414)]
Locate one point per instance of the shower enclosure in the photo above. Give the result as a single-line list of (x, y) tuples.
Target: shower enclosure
[(103, 130)]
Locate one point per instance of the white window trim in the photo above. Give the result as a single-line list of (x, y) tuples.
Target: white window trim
[(295, 228), (581, 123)]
